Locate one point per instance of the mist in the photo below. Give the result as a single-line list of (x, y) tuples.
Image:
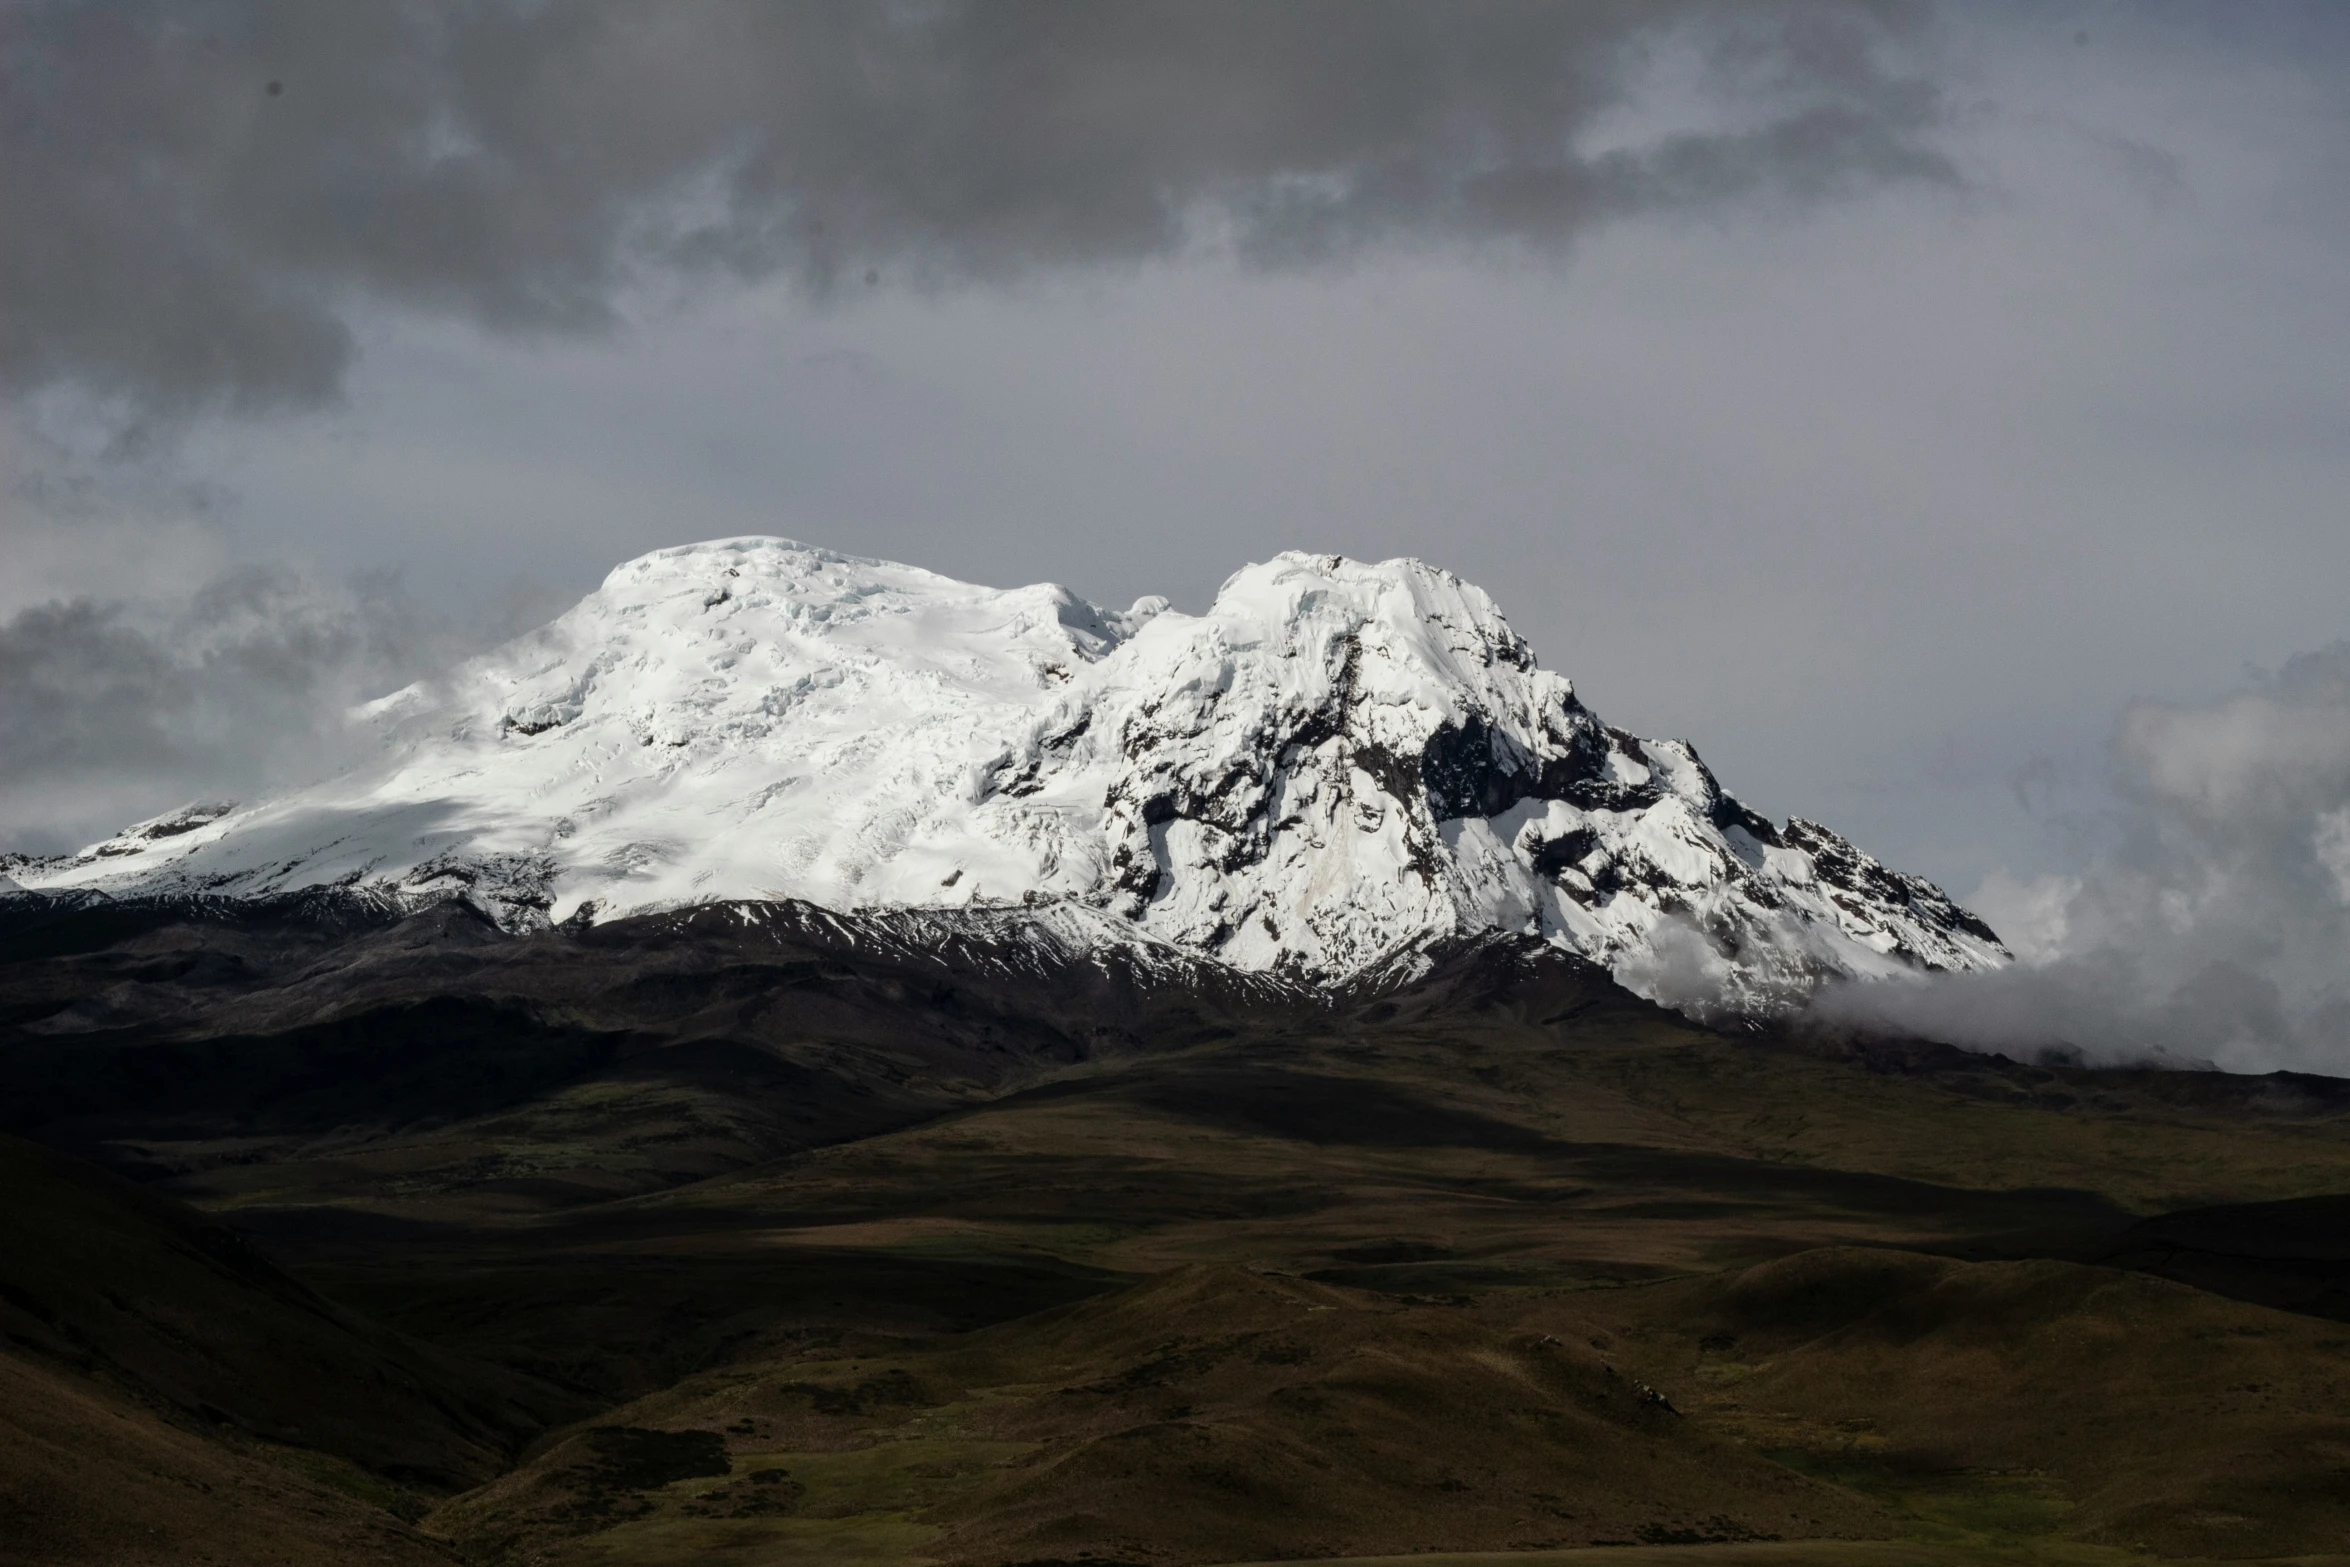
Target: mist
[(118, 709), (2211, 925)]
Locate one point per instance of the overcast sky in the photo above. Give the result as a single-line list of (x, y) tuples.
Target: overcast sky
[(1892, 399)]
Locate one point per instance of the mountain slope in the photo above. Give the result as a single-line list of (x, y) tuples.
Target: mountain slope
[(167, 1395), (1337, 763), (140, 1293)]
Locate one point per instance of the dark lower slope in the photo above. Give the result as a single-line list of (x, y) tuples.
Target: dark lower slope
[(874, 1247), (2293, 1254), (2020, 1411), (168, 1396), (1206, 1415), (2127, 1410), (194, 1035), (88, 1476), (145, 1297)]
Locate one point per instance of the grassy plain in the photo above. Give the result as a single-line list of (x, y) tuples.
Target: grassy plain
[(1509, 1288), (1511, 1266)]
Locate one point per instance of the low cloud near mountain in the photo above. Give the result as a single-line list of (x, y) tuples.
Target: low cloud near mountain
[(2213, 924)]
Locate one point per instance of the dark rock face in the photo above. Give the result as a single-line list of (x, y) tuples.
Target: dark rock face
[(1856, 882)]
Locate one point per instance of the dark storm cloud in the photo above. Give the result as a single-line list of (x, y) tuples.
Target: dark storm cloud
[(200, 194), (2215, 925)]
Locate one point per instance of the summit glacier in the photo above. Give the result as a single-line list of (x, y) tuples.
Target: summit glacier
[(1334, 766)]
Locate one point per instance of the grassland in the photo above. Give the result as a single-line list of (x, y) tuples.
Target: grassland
[(1518, 1267)]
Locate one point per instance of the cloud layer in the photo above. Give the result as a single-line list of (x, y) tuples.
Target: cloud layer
[(2215, 925), (220, 185), (112, 711)]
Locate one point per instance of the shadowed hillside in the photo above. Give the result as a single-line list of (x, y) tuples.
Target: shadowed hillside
[(167, 1385), (795, 1239)]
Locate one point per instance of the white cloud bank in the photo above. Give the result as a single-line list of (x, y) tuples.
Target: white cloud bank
[(2215, 926)]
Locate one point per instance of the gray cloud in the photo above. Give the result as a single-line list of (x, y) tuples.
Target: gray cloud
[(112, 711), (2214, 925), (204, 192)]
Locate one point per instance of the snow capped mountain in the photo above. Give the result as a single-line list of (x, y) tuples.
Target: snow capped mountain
[(1338, 762)]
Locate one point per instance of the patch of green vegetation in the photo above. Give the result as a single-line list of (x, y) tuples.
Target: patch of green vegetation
[(1962, 1508), (900, 1475), (1990, 1509), (352, 1481), (856, 1541), (856, 1506), (1802, 1553), (633, 1458)]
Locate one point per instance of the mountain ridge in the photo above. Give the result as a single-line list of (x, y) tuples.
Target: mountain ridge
[(1337, 764)]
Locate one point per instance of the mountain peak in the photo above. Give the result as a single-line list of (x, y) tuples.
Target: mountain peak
[(1337, 762)]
